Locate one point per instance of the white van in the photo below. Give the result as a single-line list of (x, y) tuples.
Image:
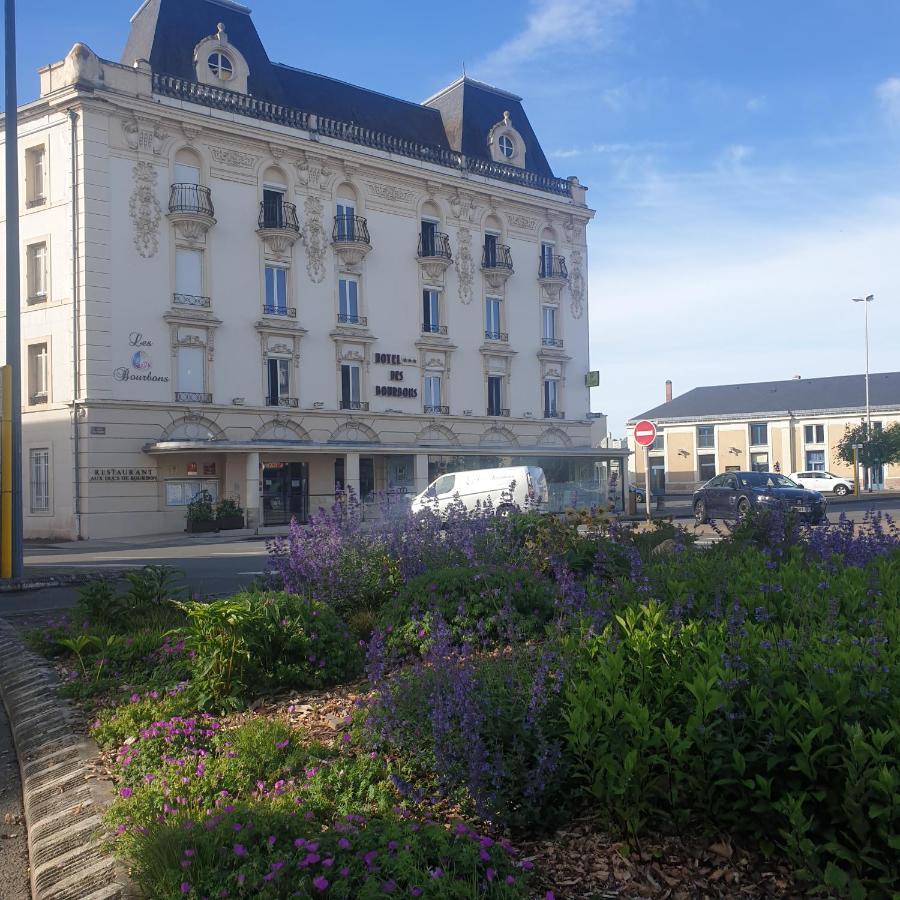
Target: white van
[(515, 487)]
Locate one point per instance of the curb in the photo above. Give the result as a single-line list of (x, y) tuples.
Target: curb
[(63, 808), (36, 582)]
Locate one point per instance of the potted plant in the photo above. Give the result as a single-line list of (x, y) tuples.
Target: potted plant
[(200, 514), (229, 515)]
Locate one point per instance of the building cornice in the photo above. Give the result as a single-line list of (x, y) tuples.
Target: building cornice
[(726, 418)]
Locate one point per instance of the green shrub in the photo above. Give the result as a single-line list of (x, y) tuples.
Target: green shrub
[(252, 643), (482, 603)]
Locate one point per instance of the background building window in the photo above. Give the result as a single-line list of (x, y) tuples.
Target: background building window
[(348, 300), (551, 386), (220, 65), (507, 148), (706, 466), (549, 324), (814, 434), (759, 462), (658, 441), (759, 434), (490, 250), (346, 219), (432, 393), (40, 480), (431, 311), (34, 177), (706, 437), (495, 395), (38, 374), (191, 370), (189, 272), (547, 253), (36, 271), (181, 492), (492, 326), (276, 290), (815, 460), (278, 372), (350, 386)]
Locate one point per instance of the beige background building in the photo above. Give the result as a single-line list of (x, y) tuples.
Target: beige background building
[(787, 426)]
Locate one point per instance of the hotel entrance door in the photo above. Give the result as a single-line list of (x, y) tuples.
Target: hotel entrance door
[(285, 492)]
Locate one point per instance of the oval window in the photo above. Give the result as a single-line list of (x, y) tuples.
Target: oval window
[(220, 65), (506, 146)]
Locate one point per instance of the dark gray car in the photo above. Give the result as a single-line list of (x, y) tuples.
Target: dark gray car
[(732, 495)]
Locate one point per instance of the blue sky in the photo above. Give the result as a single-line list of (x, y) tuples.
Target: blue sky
[(742, 156)]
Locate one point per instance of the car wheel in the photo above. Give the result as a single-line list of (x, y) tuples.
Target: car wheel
[(700, 512), (842, 490), (743, 508)]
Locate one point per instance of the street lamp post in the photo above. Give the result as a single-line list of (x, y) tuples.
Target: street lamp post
[(865, 302)]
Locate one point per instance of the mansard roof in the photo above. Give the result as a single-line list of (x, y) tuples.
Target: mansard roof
[(459, 118)]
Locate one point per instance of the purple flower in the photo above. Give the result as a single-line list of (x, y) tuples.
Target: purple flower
[(320, 883), (126, 792), (185, 887), (282, 744), (240, 850)]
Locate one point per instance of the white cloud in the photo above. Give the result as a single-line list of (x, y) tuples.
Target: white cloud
[(888, 94), (556, 25)]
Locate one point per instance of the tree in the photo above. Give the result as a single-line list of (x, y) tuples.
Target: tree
[(883, 447)]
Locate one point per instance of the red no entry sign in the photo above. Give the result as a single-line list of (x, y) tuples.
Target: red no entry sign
[(644, 433)]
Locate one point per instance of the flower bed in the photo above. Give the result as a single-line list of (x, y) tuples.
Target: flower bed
[(725, 714)]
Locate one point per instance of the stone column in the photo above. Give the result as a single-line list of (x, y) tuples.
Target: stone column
[(251, 491), (351, 473), (421, 472)]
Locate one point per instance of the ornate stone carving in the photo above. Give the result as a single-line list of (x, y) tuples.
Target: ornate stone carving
[(314, 238), (577, 284), (569, 227), (236, 159), (313, 171), (465, 267), (144, 134), (145, 209), (191, 132), (522, 222), (391, 192), (463, 207)]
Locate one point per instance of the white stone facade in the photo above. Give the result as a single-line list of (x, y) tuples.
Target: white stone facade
[(160, 392)]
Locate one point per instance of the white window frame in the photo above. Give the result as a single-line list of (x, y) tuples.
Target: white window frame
[(39, 373), (283, 366), (39, 477), (750, 441), (489, 302), (277, 271), (550, 399), (814, 442), (35, 176), (182, 388), (345, 210), (548, 314), (181, 287), (502, 392), (432, 399), (348, 313), (37, 276), (214, 62), (434, 311), (357, 369)]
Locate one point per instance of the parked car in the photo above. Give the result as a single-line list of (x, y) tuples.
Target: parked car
[(639, 493), (507, 489), (732, 495), (824, 483)]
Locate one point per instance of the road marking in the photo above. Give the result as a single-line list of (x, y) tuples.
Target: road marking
[(251, 573)]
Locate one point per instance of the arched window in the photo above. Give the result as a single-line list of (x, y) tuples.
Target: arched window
[(507, 148), (220, 65)]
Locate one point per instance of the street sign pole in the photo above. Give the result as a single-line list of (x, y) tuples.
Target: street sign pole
[(856, 449), (645, 435), (647, 477)]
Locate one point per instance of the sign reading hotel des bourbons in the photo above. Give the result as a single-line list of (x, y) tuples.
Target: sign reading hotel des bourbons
[(124, 474), (395, 375), (140, 361)]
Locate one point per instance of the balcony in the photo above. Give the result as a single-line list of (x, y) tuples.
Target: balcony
[(494, 411), (496, 265), (552, 275), (552, 342), (347, 319), (288, 402), (284, 312), (192, 397), (191, 300), (355, 404), (434, 256), (350, 239), (278, 226), (191, 210), (428, 328), (496, 336), (436, 410), (553, 414)]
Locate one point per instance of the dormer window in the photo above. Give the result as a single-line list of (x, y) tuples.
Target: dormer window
[(220, 65), (507, 148), (505, 143)]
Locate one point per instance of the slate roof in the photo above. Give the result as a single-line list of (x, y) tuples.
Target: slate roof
[(799, 395), (165, 32)]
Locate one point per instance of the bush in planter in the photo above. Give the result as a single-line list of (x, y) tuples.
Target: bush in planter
[(229, 514), (200, 513)]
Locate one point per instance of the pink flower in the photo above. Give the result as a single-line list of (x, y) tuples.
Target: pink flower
[(490, 874), (126, 792)]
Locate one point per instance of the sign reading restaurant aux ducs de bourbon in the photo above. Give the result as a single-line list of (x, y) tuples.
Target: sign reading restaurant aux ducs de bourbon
[(124, 474)]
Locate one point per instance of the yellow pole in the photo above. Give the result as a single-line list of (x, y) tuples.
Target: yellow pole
[(6, 473)]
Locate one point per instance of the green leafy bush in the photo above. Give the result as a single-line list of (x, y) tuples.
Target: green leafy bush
[(481, 603), (252, 643)]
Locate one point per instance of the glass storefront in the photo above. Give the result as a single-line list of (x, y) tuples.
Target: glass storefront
[(285, 492)]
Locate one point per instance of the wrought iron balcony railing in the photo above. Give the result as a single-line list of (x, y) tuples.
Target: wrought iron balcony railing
[(496, 256), (437, 410), (355, 404), (192, 397), (496, 411), (191, 198), (191, 300), (279, 214), (553, 414), (551, 342), (496, 336), (428, 328), (275, 309), (553, 267), (434, 246), (347, 319), (244, 105), (350, 229), (291, 402)]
